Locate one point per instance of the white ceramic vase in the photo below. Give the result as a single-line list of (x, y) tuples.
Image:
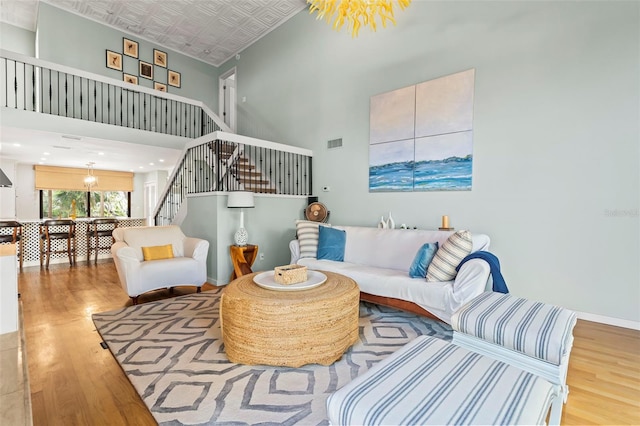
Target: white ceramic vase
[(391, 224), (382, 223)]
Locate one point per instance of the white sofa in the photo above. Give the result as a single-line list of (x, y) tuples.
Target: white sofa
[(137, 276), (379, 261)]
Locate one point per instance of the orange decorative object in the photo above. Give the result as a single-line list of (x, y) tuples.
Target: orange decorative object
[(73, 213)]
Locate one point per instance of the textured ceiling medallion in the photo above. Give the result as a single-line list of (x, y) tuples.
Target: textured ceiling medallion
[(356, 13)]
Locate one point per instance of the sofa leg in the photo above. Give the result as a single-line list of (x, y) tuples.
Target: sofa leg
[(134, 300), (198, 289)]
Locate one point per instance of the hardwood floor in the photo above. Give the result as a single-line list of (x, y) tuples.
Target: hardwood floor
[(76, 382)]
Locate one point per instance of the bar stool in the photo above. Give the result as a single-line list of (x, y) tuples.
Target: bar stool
[(102, 227), (58, 230), (15, 237)]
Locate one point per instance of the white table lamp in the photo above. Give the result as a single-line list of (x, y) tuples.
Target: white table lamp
[(240, 200)]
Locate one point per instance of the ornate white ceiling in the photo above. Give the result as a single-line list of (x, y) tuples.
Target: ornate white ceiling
[(212, 31)]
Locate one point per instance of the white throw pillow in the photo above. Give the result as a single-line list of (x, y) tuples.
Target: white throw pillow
[(443, 265), (307, 233)]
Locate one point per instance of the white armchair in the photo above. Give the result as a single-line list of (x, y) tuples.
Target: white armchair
[(137, 276)]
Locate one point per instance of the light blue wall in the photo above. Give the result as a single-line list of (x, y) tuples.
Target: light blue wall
[(270, 225), (71, 40), (17, 39), (556, 152)]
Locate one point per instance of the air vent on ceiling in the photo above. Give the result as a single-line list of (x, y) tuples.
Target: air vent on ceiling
[(61, 147), (334, 143), (75, 138)]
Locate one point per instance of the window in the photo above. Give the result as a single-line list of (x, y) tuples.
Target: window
[(109, 203), (58, 203)]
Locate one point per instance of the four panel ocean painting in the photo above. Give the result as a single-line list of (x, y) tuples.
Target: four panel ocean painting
[(421, 136)]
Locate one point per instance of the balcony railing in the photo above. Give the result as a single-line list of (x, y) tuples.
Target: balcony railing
[(215, 160), (224, 162), (34, 85)]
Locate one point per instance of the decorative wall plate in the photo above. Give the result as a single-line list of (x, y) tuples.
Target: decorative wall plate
[(316, 212)]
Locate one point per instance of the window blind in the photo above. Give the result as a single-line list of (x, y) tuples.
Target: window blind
[(72, 179)]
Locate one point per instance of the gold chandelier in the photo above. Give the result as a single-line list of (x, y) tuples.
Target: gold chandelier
[(357, 13)]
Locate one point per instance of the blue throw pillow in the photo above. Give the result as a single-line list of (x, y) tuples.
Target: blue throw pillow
[(422, 260), (331, 243)]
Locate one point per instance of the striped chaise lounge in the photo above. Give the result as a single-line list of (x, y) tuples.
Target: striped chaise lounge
[(533, 336), (430, 381)]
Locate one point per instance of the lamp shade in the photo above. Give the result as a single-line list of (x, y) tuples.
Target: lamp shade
[(240, 199)]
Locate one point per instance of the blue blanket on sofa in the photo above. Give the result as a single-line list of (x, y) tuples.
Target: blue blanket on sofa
[(499, 285)]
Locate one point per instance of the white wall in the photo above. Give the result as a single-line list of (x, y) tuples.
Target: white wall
[(27, 198), (556, 179), (270, 226), (17, 39), (137, 196)]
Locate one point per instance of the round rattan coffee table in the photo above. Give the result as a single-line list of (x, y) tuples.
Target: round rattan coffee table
[(289, 328)]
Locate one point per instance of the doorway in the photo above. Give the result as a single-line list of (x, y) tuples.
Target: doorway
[(150, 199), (227, 98)]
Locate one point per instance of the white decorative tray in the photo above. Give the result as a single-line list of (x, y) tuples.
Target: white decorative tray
[(266, 280)]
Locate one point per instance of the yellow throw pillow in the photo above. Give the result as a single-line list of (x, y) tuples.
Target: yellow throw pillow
[(157, 252)]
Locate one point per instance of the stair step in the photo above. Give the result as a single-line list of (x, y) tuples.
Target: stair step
[(251, 181), (244, 166), (248, 173)]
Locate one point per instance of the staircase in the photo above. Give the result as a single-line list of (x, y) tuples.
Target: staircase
[(240, 168), (222, 162), (214, 159)]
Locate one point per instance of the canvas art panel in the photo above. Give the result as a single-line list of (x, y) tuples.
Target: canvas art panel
[(393, 115), (421, 136), (114, 60), (445, 105), (130, 47)]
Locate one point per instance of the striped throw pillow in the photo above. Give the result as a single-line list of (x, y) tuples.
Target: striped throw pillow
[(443, 265), (308, 233)]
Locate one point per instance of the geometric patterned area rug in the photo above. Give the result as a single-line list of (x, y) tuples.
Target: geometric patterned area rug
[(172, 352)]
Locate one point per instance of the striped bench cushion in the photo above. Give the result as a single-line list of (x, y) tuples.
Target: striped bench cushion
[(535, 329), (430, 381), (307, 233)]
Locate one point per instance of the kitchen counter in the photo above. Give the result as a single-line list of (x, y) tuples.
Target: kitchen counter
[(31, 233)]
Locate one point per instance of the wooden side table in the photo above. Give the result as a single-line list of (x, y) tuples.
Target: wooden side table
[(242, 258)]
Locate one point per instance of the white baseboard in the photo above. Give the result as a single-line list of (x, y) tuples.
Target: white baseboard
[(634, 325), (215, 282)]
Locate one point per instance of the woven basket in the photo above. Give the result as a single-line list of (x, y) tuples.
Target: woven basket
[(290, 274)]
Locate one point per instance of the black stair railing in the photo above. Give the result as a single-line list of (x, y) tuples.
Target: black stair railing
[(34, 85), (221, 162)]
